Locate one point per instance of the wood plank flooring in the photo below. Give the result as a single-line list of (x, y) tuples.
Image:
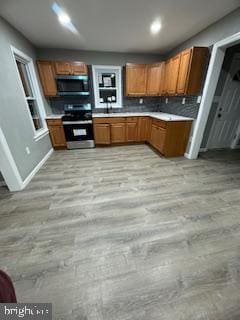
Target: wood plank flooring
[(123, 234)]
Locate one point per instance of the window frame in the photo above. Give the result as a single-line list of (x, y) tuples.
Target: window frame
[(28, 61), (118, 85)]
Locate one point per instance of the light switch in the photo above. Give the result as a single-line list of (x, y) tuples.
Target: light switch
[(183, 100), (140, 101), (199, 98), (166, 100)]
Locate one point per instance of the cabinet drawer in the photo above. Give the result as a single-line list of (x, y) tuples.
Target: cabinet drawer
[(110, 120), (54, 122), (132, 119), (160, 123)]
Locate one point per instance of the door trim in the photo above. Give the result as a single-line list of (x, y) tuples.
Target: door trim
[(210, 85)]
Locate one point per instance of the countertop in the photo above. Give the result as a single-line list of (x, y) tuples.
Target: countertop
[(156, 115)]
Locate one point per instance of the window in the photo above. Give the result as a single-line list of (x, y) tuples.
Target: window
[(107, 81), (31, 92)]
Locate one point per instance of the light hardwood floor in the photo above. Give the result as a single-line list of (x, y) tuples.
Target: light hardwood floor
[(123, 234)]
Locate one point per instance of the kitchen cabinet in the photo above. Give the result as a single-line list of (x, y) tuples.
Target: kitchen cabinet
[(181, 74), (166, 77), (102, 133), (154, 79), (56, 132), (118, 132), (79, 68), (173, 75), (47, 77), (170, 138), (70, 68), (132, 129), (136, 79), (191, 70), (144, 124)]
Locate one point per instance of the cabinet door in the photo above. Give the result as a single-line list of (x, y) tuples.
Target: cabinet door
[(153, 79), (118, 133), (136, 79), (63, 67), (102, 133), (57, 136), (162, 78), (47, 77), (157, 140), (184, 71), (143, 129), (79, 68), (166, 77), (131, 131), (173, 75)]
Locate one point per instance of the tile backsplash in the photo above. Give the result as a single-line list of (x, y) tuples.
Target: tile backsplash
[(175, 106)]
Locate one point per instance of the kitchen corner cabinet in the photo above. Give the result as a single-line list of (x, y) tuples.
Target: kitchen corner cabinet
[(191, 70), (136, 79), (47, 77), (170, 138), (56, 132)]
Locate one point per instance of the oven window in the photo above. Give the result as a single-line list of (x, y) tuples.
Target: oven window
[(78, 132)]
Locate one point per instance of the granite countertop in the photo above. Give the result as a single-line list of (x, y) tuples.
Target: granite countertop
[(155, 115)]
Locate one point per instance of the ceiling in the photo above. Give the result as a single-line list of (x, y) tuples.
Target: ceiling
[(114, 25)]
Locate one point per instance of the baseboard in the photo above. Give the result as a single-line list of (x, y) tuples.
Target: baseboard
[(36, 169)]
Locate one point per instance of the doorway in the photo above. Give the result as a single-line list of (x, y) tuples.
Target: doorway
[(213, 73), (225, 126)]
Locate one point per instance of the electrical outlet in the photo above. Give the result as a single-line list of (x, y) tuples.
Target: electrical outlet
[(140, 101), (166, 100), (183, 100), (27, 150), (199, 98)]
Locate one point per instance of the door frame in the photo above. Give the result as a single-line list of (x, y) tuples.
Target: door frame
[(8, 166), (213, 73), (235, 140)]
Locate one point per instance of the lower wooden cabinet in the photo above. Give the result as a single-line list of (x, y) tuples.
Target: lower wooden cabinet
[(56, 132), (168, 137), (102, 133), (118, 132), (144, 129), (131, 131)]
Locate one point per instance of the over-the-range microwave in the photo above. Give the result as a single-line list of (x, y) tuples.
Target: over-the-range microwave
[(72, 85)]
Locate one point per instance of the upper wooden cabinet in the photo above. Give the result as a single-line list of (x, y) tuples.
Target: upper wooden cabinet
[(181, 74), (63, 67), (47, 77), (173, 74), (191, 70), (136, 79), (155, 78), (79, 68), (70, 67)]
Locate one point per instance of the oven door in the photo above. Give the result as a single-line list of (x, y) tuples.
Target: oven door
[(79, 134)]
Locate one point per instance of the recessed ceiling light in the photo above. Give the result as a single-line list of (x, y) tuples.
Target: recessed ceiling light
[(155, 27), (64, 18)]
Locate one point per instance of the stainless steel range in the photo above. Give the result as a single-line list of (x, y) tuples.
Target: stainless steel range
[(78, 127)]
